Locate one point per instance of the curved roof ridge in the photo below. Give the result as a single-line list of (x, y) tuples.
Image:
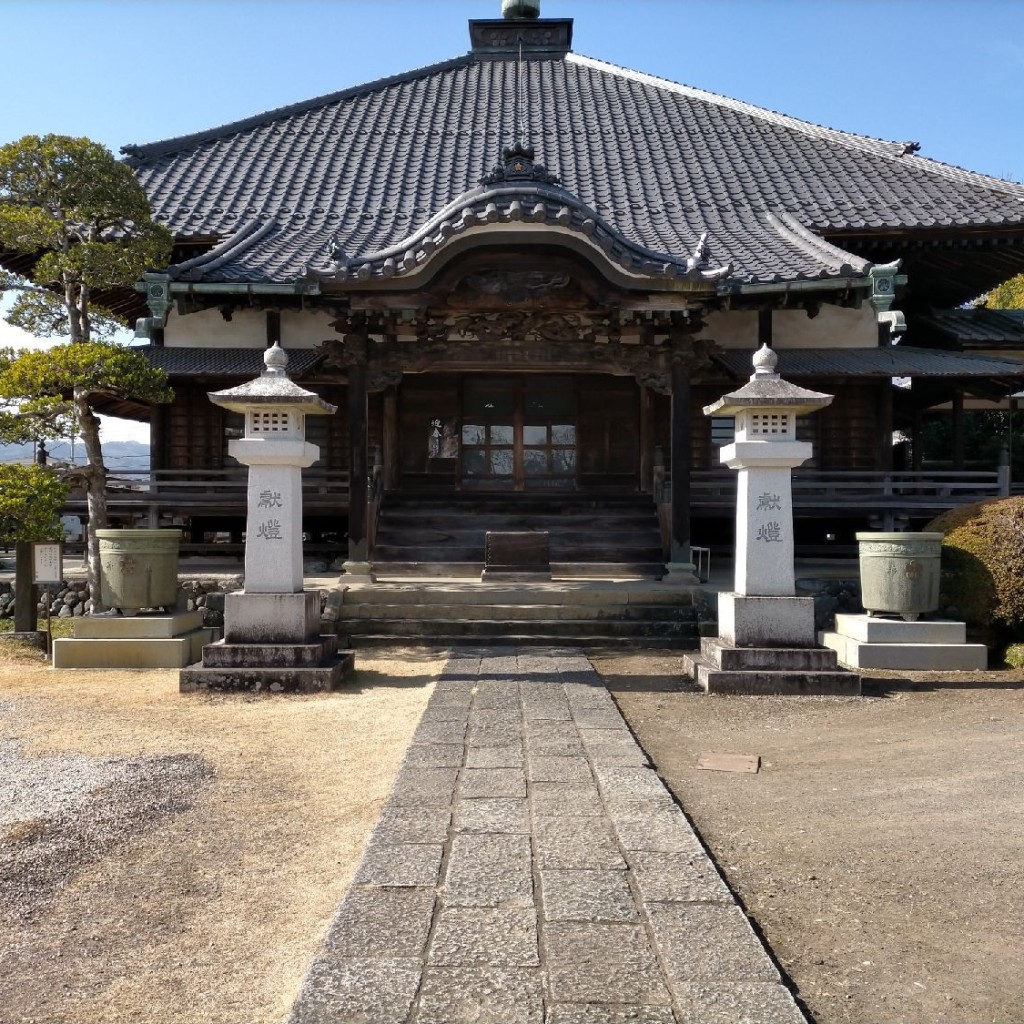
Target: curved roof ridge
[(791, 229), (880, 147), (523, 201), (233, 246), (136, 152)]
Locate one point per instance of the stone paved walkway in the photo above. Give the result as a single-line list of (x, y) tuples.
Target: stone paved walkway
[(531, 868)]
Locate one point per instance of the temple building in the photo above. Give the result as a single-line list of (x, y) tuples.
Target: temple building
[(520, 275)]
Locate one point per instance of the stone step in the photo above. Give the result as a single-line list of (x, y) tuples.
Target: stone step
[(370, 640), (324, 677), (522, 612), (444, 595), (550, 628), (762, 681), (518, 501), (610, 570), (426, 521), (474, 552), (908, 657), (788, 659), (872, 629)]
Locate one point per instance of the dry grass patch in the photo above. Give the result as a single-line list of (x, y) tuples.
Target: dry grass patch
[(212, 915)]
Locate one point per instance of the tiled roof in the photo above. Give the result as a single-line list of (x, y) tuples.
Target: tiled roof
[(976, 328), (891, 361), (221, 362), (370, 181)]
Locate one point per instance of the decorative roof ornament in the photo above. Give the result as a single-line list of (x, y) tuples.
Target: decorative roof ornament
[(518, 165), (275, 361), (698, 266), (765, 363), (516, 10)]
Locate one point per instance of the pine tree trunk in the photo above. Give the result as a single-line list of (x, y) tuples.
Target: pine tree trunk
[(96, 492)]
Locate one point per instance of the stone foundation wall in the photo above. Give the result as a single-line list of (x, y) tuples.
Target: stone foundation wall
[(71, 599)]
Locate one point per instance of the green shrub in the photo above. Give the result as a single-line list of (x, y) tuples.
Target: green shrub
[(983, 565), (1015, 655)]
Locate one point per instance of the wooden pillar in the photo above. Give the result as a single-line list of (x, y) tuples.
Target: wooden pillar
[(25, 618), (917, 442), (647, 439), (958, 429), (764, 328), (358, 551), (680, 456)]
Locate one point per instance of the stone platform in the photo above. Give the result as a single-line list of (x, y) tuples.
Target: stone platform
[(135, 641), (531, 868), (721, 667), (866, 641), (309, 667)]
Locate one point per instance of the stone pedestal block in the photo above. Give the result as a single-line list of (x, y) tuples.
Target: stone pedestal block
[(272, 618), (862, 641), (132, 651), (135, 627), (723, 668), (747, 621)]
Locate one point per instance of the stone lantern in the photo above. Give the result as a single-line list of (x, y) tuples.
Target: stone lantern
[(272, 628), (766, 641)]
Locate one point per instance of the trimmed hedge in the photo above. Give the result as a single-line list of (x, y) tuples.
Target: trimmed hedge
[(983, 565)]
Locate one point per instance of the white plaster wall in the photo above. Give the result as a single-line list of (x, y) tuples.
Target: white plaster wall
[(300, 329), (246, 329), (833, 327)]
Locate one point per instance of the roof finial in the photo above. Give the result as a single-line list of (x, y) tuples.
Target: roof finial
[(515, 10)]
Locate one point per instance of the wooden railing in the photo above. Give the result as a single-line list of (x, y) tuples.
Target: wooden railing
[(138, 493), (853, 492), (888, 496)]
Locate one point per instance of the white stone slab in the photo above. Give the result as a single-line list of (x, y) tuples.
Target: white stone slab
[(766, 621), (872, 629), (271, 618), (127, 627), (907, 657), (170, 652)]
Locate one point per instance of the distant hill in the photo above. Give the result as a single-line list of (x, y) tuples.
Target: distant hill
[(116, 454)]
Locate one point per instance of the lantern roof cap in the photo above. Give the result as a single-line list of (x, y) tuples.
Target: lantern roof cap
[(273, 387), (767, 390)]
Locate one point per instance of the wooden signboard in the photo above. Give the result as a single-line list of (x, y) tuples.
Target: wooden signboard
[(47, 563)]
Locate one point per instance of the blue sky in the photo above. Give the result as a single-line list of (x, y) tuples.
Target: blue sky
[(946, 73)]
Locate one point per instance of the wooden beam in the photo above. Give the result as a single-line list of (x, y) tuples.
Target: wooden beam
[(680, 465), (358, 550)]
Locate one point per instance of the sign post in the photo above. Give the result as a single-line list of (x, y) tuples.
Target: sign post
[(47, 570)]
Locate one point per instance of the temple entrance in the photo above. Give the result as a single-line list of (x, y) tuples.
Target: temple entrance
[(526, 432), (518, 433)]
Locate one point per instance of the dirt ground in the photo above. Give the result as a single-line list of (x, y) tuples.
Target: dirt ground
[(209, 910), (880, 848)]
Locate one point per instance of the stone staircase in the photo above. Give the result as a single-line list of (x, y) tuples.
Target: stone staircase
[(607, 536), (454, 613)]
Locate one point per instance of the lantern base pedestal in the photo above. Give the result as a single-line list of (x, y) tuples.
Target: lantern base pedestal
[(272, 643), (767, 646)]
